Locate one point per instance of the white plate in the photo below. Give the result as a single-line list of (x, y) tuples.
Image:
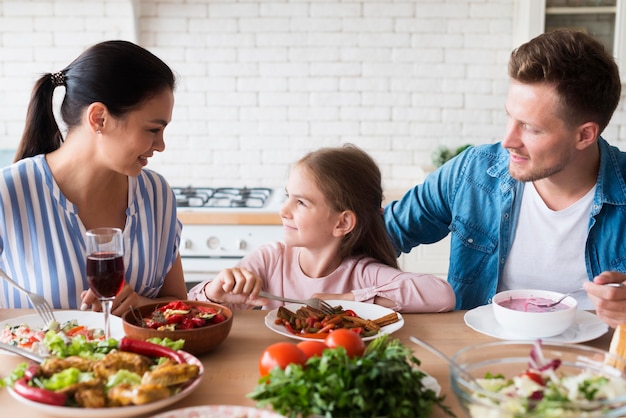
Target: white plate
[(364, 310), (586, 326), (89, 319), (218, 411), (121, 411)]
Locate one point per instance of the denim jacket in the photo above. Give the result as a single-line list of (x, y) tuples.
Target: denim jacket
[(474, 198)]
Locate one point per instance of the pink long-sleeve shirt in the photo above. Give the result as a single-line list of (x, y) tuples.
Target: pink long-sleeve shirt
[(366, 278)]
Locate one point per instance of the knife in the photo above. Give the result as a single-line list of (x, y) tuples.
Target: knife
[(21, 352)]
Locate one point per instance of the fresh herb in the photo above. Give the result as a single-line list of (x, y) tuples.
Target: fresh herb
[(385, 381)]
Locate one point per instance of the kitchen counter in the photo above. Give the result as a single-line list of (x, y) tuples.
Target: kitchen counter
[(247, 217), (203, 217), (231, 370)]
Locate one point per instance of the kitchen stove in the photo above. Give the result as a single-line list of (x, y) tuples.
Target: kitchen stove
[(223, 197), (222, 225)]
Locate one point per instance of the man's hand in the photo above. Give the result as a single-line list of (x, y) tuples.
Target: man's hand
[(609, 302)]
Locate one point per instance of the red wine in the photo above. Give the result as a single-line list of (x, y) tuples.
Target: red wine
[(105, 273)]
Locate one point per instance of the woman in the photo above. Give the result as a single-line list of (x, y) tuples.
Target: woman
[(118, 101), (335, 244)]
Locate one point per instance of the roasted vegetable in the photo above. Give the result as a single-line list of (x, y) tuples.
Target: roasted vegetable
[(149, 349), (309, 322)]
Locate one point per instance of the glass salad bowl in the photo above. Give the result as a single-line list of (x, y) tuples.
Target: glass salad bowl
[(534, 379)]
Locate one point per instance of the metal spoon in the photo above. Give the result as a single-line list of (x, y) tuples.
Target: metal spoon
[(551, 304)]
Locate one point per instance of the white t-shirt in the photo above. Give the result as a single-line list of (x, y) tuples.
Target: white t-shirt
[(548, 250)]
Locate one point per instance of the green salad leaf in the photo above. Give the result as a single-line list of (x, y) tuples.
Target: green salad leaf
[(16, 374), (123, 376), (58, 345), (385, 381), (168, 342), (65, 378)]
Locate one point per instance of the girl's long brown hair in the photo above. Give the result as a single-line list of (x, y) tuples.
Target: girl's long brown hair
[(350, 180)]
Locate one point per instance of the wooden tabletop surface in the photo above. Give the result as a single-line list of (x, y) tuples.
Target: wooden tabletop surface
[(231, 370)]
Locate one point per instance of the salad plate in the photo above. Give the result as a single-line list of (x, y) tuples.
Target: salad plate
[(120, 411), (586, 327), (90, 319), (218, 411), (362, 309)]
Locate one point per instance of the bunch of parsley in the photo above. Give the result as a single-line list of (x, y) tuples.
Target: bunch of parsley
[(385, 381)]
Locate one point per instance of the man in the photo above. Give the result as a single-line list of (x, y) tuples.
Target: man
[(545, 207)]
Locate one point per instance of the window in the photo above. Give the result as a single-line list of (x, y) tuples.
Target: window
[(603, 19)]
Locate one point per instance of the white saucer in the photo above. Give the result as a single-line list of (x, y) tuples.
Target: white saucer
[(586, 326)]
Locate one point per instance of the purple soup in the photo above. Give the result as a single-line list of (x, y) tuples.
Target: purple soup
[(524, 305)]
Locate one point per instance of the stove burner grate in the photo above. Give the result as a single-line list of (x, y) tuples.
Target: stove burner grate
[(222, 197)]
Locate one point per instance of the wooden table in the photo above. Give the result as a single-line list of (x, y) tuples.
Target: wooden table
[(231, 371)]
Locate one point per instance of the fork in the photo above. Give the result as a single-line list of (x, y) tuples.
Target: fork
[(40, 304), (315, 303)]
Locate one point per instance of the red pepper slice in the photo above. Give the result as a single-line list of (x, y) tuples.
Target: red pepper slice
[(36, 394), (289, 328), (206, 309), (147, 348), (197, 322), (174, 305), (535, 377), (31, 371), (185, 324), (175, 319)]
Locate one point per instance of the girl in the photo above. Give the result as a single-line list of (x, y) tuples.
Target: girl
[(335, 245), (118, 100)]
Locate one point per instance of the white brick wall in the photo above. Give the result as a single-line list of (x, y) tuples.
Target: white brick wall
[(262, 82)]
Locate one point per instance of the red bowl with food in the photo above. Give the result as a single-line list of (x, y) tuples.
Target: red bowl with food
[(203, 325)]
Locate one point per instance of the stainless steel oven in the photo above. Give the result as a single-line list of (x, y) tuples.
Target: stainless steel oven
[(222, 225)]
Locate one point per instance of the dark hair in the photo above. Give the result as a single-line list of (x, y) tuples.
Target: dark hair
[(349, 179), (584, 74), (119, 74)]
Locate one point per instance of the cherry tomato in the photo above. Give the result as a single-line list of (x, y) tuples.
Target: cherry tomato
[(351, 341), (312, 348), (280, 354)]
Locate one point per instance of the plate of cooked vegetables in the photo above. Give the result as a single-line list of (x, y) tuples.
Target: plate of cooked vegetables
[(125, 379), (305, 323)]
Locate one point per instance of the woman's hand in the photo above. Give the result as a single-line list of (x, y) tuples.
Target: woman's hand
[(235, 285), (609, 302), (126, 299)]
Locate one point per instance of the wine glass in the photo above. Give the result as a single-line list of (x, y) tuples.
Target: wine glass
[(105, 267)]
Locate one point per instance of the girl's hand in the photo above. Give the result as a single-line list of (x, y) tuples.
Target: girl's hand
[(235, 285), (609, 302)]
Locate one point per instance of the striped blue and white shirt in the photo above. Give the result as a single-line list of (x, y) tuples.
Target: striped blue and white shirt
[(42, 244)]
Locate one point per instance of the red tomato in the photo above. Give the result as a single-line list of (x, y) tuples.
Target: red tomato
[(280, 354), (350, 340), (312, 348)]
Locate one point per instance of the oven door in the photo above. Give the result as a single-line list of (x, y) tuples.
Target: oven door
[(199, 269), (208, 249)]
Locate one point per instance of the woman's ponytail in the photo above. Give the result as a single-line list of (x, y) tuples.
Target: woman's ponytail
[(41, 132)]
